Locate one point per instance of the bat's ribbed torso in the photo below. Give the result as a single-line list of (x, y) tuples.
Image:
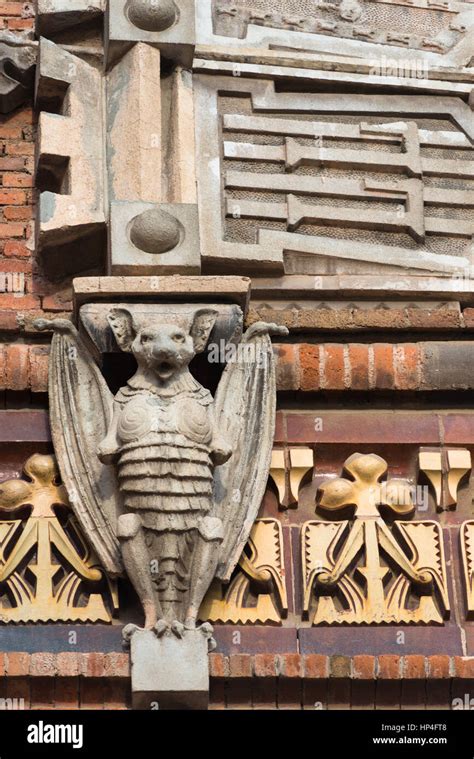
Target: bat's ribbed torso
[(164, 464)]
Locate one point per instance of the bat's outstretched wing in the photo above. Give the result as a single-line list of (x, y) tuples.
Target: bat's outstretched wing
[(80, 413), (245, 406)]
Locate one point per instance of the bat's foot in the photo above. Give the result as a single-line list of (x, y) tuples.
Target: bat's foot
[(161, 627), (177, 628)]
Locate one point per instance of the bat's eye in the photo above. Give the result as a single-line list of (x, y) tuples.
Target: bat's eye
[(178, 337), (145, 338)]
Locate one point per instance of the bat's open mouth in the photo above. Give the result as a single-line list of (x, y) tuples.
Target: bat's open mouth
[(164, 369)]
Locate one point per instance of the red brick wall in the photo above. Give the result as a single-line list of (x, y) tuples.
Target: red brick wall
[(25, 294)]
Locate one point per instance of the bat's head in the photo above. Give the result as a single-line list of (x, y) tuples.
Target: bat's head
[(160, 347)]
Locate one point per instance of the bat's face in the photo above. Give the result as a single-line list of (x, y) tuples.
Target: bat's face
[(164, 349)]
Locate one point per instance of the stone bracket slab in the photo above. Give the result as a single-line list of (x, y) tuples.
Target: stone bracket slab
[(158, 289), (169, 673)]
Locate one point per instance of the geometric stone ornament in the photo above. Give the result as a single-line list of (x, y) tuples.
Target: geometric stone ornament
[(467, 554), (101, 147), (358, 188), (48, 572), (288, 469), (257, 593), (170, 478), (362, 571), (439, 30), (17, 63), (445, 469), (70, 157), (168, 25), (154, 239)]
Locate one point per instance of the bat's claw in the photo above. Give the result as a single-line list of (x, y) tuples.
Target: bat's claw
[(177, 628), (56, 325), (262, 328), (161, 627)]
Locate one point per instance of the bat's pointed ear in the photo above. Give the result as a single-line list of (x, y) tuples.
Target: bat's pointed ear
[(123, 327), (203, 322)]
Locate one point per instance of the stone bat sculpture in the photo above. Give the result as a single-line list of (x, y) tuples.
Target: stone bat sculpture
[(165, 479)]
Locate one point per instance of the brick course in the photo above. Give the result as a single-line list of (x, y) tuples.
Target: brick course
[(295, 681), (427, 365), (306, 368)]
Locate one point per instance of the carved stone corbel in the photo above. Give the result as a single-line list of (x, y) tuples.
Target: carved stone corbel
[(167, 478)]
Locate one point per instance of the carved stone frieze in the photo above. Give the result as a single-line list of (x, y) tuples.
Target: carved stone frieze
[(256, 593), (297, 181), (47, 571), (70, 160), (364, 571), (439, 29), (467, 554)]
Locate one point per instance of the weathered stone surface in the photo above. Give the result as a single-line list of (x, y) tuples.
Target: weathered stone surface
[(361, 28), (69, 158), (180, 174), (17, 63), (167, 24), (154, 239), (154, 17), (173, 288), (54, 16), (330, 286), (335, 315), (134, 140), (168, 673), (285, 191), (93, 317)]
